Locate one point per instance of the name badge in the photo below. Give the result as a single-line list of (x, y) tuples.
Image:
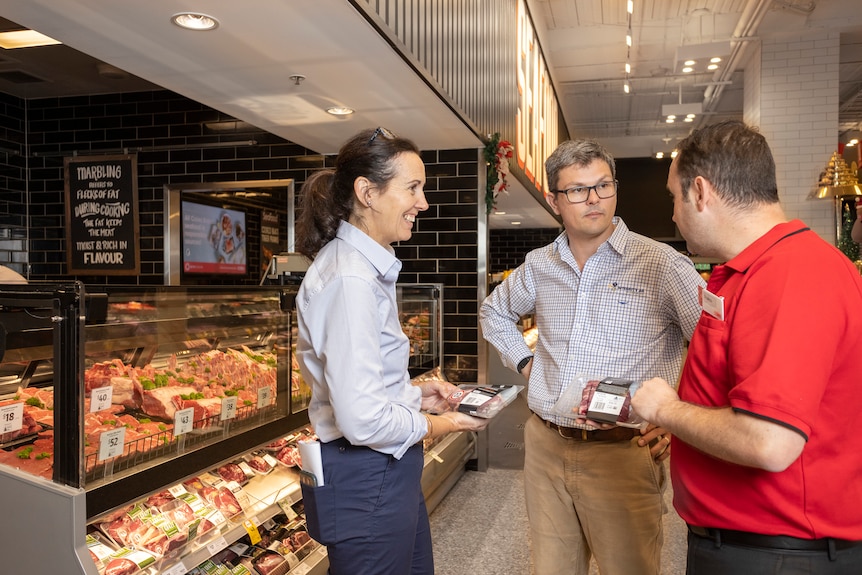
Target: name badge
[(711, 303)]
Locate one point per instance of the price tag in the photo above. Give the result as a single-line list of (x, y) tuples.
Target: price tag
[(178, 569), (183, 420), (111, 443), (228, 408), (11, 417), (177, 490), (100, 398), (216, 545), (285, 505), (302, 569), (251, 529), (264, 396)]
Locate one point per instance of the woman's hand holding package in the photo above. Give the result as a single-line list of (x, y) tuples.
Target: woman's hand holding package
[(434, 394), (464, 422)]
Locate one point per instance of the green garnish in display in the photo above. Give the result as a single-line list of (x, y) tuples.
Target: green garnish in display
[(25, 453), (162, 380), (248, 402), (147, 383), (34, 401), (43, 455)]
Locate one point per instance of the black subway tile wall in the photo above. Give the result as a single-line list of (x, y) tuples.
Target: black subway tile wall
[(443, 249), (507, 248), (13, 183)]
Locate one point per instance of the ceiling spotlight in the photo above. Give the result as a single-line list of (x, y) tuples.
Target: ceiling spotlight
[(627, 87), (853, 142), (659, 155), (670, 121), (194, 21), (24, 39), (297, 78), (715, 60), (340, 110), (688, 69), (712, 67)]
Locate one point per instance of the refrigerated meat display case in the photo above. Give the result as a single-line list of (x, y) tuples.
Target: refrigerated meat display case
[(112, 396), (121, 406)]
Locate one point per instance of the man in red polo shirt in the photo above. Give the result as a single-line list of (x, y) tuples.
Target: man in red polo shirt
[(765, 467)]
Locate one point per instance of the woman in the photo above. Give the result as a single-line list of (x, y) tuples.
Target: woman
[(353, 352)]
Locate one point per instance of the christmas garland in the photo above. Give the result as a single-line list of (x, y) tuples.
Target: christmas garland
[(497, 153)]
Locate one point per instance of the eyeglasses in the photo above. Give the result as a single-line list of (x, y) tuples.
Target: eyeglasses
[(580, 194), (381, 131)]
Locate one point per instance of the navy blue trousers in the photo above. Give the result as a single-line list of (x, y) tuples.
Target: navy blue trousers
[(371, 511)]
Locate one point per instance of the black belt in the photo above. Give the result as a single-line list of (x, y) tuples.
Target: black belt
[(612, 434), (782, 542)]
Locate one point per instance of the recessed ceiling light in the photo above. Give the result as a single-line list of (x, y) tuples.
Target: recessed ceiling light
[(689, 62), (687, 69), (516, 223), (712, 67), (504, 213), (340, 110), (25, 39), (715, 60), (194, 21), (659, 155)]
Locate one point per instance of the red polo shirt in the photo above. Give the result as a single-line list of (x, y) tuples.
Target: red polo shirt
[(789, 350)]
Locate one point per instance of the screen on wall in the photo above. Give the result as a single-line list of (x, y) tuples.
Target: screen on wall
[(213, 239)]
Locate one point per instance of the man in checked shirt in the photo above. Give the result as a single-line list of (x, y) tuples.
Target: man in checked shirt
[(607, 302)]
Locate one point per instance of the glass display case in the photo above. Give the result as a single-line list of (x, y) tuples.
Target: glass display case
[(112, 394), (421, 313), (157, 426)]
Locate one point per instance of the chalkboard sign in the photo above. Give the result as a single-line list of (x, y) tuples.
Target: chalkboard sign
[(102, 228)]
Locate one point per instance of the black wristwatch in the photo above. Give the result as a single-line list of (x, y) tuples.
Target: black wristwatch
[(523, 363)]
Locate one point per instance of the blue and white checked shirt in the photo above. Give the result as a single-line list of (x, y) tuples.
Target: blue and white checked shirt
[(627, 314)]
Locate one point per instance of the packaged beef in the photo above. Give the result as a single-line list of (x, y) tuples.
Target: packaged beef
[(605, 400), (267, 562), (239, 472), (128, 561), (483, 401)]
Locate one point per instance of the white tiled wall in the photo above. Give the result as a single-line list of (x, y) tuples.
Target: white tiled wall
[(798, 114)]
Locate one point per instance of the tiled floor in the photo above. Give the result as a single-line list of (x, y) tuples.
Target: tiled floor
[(480, 528)]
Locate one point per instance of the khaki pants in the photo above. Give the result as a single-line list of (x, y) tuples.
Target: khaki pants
[(584, 499)]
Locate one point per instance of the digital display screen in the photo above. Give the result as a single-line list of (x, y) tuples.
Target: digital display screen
[(214, 240)]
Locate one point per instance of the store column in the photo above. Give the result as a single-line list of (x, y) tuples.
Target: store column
[(791, 93)]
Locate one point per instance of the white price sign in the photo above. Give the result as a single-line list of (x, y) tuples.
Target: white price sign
[(11, 417), (216, 545), (111, 443), (184, 419), (264, 396), (228, 408), (100, 398)]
